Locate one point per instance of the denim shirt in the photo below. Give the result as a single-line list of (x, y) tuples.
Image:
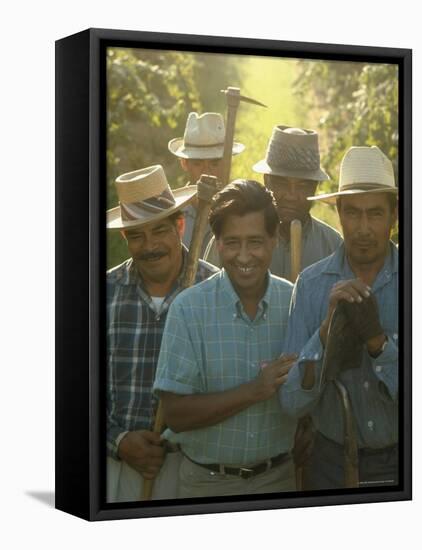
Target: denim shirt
[(373, 387)]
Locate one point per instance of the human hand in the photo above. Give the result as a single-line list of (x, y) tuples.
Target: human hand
[(364, 319), (352, 291), (144, 451), (272, 375)]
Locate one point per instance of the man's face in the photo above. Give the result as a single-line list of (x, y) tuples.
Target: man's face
[(367, 221), (196, 167), (246, 250), (290, 196), (156, 249)]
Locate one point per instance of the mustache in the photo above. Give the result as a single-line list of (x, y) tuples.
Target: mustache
[(150, 255)]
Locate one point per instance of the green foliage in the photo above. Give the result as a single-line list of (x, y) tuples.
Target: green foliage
[(149, 96), (151, 92), (350, 104)]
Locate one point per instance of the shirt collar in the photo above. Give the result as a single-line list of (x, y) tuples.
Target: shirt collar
[(339, 265), (233, 297), (306, 226)]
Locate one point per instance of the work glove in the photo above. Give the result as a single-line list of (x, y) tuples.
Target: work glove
[(364, 318), (343, 348)]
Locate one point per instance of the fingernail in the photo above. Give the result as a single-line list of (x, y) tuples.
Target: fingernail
[(359, 299)]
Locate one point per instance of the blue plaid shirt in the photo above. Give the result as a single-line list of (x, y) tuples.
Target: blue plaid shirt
[(373, 387), (134, 332), (211, 345)]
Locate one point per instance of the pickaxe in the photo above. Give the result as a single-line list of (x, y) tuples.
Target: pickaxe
[(233, 98)]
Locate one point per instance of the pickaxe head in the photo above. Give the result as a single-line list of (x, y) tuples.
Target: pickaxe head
[(234, 95)]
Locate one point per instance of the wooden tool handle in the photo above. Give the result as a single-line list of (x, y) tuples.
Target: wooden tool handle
[(296, 249)]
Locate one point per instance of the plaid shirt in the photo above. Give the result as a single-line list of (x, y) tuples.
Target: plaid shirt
[(211, 345), (134, 332)]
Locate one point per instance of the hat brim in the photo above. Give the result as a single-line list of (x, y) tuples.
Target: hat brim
[(177, 147), (182, 197), (331, 198), (262, 167)]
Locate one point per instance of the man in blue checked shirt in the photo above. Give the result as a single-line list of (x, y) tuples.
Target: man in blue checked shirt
[(139, 292), (221, 361), (361, 277)]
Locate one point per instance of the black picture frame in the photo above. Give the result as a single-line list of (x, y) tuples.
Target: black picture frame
[(80, 261)]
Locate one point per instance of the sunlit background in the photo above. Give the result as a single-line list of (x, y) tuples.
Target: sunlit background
[(150, 94)]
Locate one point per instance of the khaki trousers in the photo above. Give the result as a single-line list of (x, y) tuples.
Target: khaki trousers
[(196, 481), (124, 484)]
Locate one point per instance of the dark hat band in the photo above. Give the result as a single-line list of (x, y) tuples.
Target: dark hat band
[(135, 210), (187, 144), (292, 158), (364, 186)]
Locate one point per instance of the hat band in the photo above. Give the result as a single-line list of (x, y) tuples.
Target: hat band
[(365, 186), (154, 205), (187, 144), (292, 158)]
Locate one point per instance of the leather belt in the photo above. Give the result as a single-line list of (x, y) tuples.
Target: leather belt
[(245, 473)]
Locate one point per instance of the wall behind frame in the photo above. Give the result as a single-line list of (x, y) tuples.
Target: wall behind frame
[(27, 99)]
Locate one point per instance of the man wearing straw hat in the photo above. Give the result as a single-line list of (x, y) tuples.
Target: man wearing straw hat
[(220, 362), (292, 171), (139, 293), (360, 279), (200, 151)]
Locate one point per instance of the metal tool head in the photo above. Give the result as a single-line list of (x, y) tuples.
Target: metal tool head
[(234, 93)]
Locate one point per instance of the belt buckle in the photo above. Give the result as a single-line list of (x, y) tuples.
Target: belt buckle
[(245, 473)]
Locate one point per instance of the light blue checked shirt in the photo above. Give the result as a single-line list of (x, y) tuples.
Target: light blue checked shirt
[(373, 387), (211, 345)]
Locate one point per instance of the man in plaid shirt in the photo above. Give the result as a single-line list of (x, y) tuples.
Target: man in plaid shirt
[(221, 360), (139, 293)]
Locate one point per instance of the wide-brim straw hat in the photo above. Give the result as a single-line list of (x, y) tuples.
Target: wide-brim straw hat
[(145, 196), (362, 170), (203, 138), (292, 152)]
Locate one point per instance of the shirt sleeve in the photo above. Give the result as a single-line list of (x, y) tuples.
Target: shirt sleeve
[(114, 429), (178, 368), (302, 339), (385, 367)]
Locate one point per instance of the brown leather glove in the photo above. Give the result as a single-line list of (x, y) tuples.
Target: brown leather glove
[(364, 318), (343, 349)]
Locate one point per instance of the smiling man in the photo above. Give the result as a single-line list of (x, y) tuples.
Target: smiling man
[(361, 278), (292, 171), (139, 292), (220, 363)]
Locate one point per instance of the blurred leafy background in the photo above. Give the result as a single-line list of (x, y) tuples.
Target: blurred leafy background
[(151, 92)]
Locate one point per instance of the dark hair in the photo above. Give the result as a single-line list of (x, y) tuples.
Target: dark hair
[(391, 199), (242, 197)]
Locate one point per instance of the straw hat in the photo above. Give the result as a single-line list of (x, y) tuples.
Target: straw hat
[(362, 170), (203, 139), (292, 152), (145, 196)]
